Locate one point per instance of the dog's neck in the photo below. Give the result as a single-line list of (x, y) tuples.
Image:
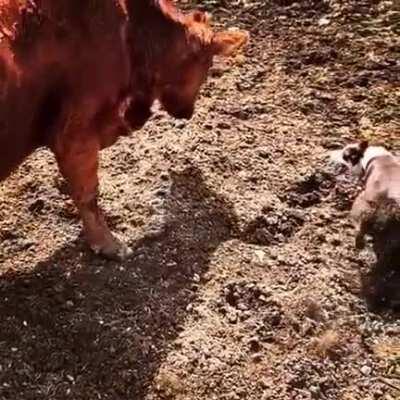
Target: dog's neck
[(371, 154)]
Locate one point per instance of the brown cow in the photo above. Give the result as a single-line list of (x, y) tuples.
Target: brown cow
[(75, 75)]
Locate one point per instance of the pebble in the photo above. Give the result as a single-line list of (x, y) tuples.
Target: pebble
[(254, 344), (324, 21), (366, 370), (314, 390), (232, 317), (260, 255), (69, 304)]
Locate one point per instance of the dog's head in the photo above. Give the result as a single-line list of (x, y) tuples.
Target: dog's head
[(351, 156), (356, 157)]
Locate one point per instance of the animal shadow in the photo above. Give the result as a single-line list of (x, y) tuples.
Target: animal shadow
[(79, 327), (381, 285)]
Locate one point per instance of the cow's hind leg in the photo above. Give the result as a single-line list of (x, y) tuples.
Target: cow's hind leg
[(78, 162)]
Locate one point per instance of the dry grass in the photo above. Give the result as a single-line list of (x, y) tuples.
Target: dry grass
[(388, 349), (329, 344)]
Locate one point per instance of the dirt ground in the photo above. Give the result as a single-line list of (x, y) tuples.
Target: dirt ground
[(244, 283)]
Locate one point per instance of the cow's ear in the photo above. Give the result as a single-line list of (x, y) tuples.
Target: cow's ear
[(228, 43)]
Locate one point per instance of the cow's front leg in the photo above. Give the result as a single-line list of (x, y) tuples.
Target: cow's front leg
[(78, 163)]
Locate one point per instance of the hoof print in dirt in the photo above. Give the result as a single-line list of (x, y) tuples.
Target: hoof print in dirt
[(273, 227)]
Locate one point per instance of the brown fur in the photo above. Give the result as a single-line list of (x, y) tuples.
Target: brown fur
[(75, 75)]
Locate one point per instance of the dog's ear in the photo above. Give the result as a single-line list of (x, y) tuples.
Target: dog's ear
[(363, 146)]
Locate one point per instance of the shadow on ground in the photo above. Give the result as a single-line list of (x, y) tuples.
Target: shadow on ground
[(381, 285), (82, 328)]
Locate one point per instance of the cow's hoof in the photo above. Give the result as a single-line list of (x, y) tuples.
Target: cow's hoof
[(116, 250)]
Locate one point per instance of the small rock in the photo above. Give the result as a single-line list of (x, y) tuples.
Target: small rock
[(314, 390), (179, 124), (324, 21), (366, 370), (260, 255), (189, 307), (223, 125), (232, 317), (26, 244), (264, 152), (69, 304), (172, 264), (254, 344)]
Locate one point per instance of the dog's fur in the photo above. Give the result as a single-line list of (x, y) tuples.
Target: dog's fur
[(376, 210)]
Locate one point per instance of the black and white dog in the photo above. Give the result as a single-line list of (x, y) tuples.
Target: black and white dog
[(376, 210)]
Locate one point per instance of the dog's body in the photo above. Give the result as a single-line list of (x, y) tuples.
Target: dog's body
[(376, 210)]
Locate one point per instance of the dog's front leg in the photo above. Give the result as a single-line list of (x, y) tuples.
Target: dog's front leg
[(360, 236), (360, 213)]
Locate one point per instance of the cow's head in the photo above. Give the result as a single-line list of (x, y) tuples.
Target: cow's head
[(171, 54), (184, 66)]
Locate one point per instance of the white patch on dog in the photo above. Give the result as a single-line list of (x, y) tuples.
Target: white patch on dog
[(372, 152), (336, 156)]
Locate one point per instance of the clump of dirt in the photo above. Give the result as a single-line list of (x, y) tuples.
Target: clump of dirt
[(273, 227), (244, 281), (310, 190)]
